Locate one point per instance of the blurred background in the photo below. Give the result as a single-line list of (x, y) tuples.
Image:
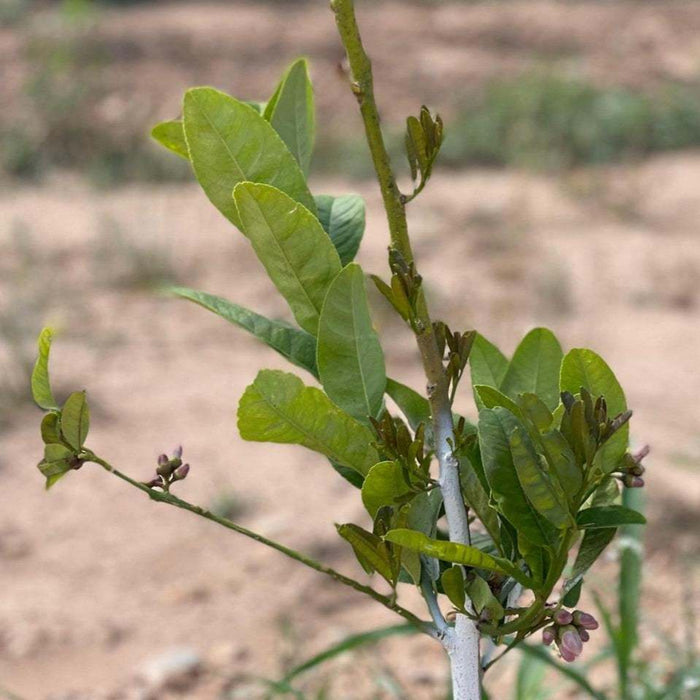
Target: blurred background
[(567, 194)]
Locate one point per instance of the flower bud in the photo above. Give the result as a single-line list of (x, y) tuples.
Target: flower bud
[(567, 655), (155, 481), (585, 620), (177, 452), (583, 634), (162, 460), (563, 617), (165, 470), (548, 635), (570, 641), (181, 472), (637, 482)]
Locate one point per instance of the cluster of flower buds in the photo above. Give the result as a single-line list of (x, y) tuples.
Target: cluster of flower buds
[(630, 473), (569, 630), (169, 470)]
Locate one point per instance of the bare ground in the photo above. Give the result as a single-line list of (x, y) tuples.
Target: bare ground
[(99, 583)]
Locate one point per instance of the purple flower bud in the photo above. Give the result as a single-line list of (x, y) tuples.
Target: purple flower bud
[(177, 452), (637, 470), (570, 641), (162, 460), (181, 472), (583, 634), (637, 482), (563, 617), (642, 453), (548, 635), (585, 620), (155, 481), (567, 655)]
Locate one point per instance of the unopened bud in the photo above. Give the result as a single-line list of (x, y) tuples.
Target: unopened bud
[(585, 620), (162, 459), (642, 453), (567, 655), (177, 452), (637, 482), (628, 480), (570, 640), (548, 635), (563, 617), (165, 470), (583, 634), (181, 472), (637, 470), (155, 481)]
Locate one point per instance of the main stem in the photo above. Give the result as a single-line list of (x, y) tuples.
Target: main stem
[(462, 642)]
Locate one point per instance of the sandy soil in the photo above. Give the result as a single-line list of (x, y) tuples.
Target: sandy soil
[(102, 589)]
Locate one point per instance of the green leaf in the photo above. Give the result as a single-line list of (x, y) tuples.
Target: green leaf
[(422, 515), (75, 420), (277, 407), (349, 356), (476, 496), (371, 551), (535, 368), (291, 113), (488, 365), (592, 546), (41, 384), (483, 599), (58, 461), (229, 142), (412, 404), (541, 490), (171, 134), (456, 553), (51, 429), (491, 397), (297, 346), (292, 245), (343, 219), (608, 516), (495, 428), (584, 368), (562, 462), (452, 581), (384, 485)]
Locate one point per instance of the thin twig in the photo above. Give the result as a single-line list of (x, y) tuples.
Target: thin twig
[(170, 499)]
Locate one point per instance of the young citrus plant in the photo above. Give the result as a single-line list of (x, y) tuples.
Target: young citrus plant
[(499, 537)]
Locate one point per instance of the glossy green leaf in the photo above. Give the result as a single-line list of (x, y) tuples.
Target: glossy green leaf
[(293, 247), (414, 406), (277, 407), (51, 429), (540, 488), (349, 357), (371, 551), (171, 135), (343, 219), (454, 552), (483, 599), (488, 365), (584, 368), (384, 485), (535, 411), (291, 113), (297, 346), (535, 368), (608, 516), (75, 420), (495, 428), (41, 384), (229, 142), (452, 581)]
